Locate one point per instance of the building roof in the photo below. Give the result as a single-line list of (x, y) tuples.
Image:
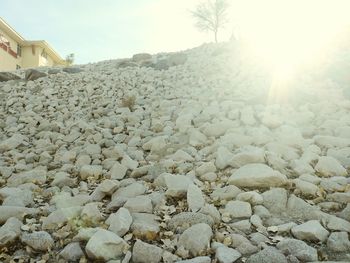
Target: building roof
[(42, 43)]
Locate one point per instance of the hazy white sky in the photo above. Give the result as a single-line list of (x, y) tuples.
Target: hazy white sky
[(96, 30), (106, 29)]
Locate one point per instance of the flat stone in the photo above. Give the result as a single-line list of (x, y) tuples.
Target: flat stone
[(41, 240), (238, 209), (105, 245), (257, 175), (227, 255), (267, 255), (329, 166), (310, 231), (139, 204), (298, 248), (184, 220), (146, 253)]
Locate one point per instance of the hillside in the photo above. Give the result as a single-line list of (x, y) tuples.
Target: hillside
[(196, 156)]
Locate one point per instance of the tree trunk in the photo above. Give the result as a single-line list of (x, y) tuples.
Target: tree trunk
[(216, 36)]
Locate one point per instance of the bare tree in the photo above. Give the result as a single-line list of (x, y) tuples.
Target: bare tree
[(211, 16)]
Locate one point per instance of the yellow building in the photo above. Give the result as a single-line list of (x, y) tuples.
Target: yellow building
[(16, 52)]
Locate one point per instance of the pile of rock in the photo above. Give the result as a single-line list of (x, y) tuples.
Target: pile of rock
[(200, 170)]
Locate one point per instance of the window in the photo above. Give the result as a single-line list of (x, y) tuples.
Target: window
[(18, 66), (44, 54), (19, 50)]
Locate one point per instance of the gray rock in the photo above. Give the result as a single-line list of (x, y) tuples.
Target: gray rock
[(267, 255), (120, 222), (141, 56), (196, 238), (257, 175), (146, 253), (6, 76), (105, 245), (310, 231), (345, 213), (72, 70), (275, 200), (90, 171), (72, 252), (12, 143), (15, 211), (145, 226), (118, 171), (139, 204), (177, 59), (60, 216), (238, 209), (338, 242), (225, 193), (329, 166), (10, 231), (195, 199), (196, 260), (33, 74), (243, 245), (298, 248), (41, 240), (184, 220), (227, 255)]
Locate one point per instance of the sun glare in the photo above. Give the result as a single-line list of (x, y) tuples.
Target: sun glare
[(287, 36)]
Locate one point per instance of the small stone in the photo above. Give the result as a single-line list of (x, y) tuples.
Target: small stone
[(196, 260), (146, 253), (338, 242), (105, 245), (10, 231), (120, 222), (310, 231), (238, 209), (94, 171), (257, 175), (195, 199), (267, 255), (72, 252), (41, 240), (298, 248), (118, 171), (145, 226), (139, 204), (227, 255), (196, 238), (329, 166), (184, 220)]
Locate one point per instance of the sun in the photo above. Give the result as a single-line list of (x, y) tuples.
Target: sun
[(288, 36)]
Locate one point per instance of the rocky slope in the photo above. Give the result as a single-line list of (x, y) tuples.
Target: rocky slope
[(180, 157)]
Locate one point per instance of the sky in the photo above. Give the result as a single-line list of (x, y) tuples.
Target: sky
[(96, 30)]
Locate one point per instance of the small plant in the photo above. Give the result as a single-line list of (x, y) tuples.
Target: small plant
[(70, 59), (129, 102)]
